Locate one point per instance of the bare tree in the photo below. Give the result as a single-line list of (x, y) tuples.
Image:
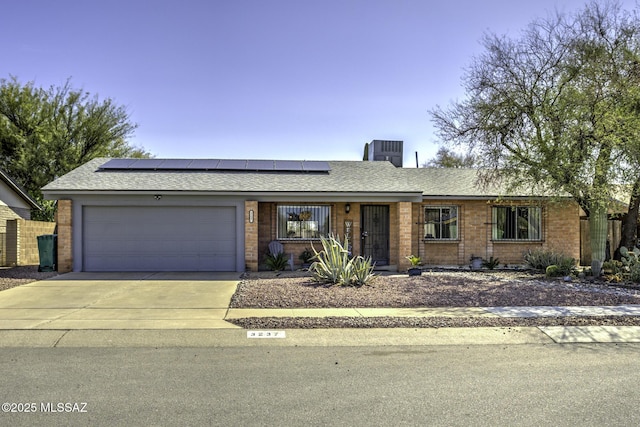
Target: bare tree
[(446, 158)]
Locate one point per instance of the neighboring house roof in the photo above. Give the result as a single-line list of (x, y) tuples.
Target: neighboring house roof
[(19, 190), (363, 177)]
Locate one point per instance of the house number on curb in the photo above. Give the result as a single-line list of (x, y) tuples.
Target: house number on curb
[(266, 334)]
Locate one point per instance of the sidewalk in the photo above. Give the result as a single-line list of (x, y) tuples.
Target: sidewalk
[(229, 335), (619, 310)]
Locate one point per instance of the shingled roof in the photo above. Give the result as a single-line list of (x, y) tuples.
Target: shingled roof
[(19, 190), (363, 177)]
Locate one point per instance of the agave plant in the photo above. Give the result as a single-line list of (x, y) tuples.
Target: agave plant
[(334, 265), (362, 270)]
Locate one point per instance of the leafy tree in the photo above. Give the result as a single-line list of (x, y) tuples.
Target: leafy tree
[(45, 133), (556, 109), (446, 158)]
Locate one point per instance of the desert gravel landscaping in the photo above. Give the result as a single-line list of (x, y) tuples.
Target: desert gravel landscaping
[(16, 276), (432, 289)]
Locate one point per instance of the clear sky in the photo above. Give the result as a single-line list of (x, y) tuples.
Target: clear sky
[(263, 79)]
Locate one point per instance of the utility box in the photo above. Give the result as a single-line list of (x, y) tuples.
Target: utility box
[(47, 249), (390, 151)]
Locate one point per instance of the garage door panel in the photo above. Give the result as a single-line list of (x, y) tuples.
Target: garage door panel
[(125, 238)]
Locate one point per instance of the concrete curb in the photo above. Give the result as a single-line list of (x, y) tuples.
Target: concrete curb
[(318, 337)]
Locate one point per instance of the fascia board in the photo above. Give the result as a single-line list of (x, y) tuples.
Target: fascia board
[(259, 196)]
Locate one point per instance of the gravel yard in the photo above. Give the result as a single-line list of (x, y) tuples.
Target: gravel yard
[(16, 276), (432, 289)]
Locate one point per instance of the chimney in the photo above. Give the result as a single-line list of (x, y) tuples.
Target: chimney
[(382, 150)]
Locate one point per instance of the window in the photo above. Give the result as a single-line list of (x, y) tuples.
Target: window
[(303, 222), (517, 223), (441, 222)]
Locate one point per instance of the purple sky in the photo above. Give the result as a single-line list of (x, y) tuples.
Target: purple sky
[(294, 79)]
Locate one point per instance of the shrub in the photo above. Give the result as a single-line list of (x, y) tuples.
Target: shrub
[(634, 273), (276, 262), (612, 267), (566, 265), (552, 271), (306, 256), (630, 257), (540, 259), (334, 265), (414, 260), (490, 263), (631, 262)]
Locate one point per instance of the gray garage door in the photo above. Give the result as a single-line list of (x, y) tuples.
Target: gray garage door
[(117, 238)]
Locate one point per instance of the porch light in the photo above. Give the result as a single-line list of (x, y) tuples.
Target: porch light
[(251, 215), (347, 208)]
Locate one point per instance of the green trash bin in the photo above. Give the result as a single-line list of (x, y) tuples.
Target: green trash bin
[(47, 249)]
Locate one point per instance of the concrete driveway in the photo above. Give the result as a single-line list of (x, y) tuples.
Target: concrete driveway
[(120, 301)]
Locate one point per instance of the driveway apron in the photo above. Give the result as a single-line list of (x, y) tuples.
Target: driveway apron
[(180, 300)]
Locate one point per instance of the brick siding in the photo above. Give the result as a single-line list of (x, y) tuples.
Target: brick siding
[(560, 232), (65, 220), (404, 226), (251, 256)]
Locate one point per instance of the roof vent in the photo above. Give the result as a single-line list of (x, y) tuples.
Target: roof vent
[(382, 150)]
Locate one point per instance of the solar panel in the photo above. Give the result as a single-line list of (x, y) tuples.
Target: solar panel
[(175, 164), (217, 164), (228, 164), (118, 164), (204, 164), (288, 165), (146, 164), (260, 165), (316, 166)]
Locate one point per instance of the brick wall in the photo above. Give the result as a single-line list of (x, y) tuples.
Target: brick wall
[(22, 240), (8, 213), (563, 232), (404, 226), (251, 255), (268, 226), (560, 232), (64, 218), (268, 223)]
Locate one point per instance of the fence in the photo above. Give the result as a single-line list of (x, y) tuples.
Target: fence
[(21, 241)]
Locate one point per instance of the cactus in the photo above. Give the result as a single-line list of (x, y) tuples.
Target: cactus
[(598, 230)]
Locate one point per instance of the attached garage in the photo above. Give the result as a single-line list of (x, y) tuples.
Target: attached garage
[(162, 238)]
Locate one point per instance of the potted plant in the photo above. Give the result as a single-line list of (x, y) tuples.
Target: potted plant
[(476, 262), (306, 257), (415, 269)]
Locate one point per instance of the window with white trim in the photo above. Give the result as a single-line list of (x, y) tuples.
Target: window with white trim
[(441, 222), (303, 221), (517, 223)]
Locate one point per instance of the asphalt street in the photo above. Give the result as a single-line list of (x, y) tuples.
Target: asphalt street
[(526, 384)]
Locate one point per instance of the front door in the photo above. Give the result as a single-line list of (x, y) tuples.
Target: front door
[(375, 233)]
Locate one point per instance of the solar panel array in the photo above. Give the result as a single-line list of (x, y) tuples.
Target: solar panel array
[(217, 164)]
